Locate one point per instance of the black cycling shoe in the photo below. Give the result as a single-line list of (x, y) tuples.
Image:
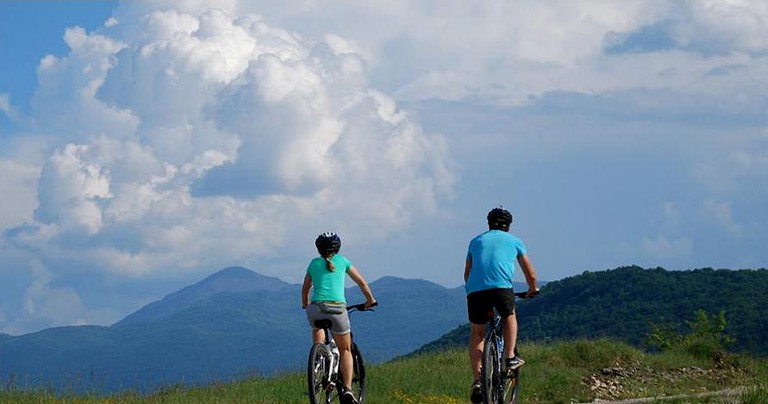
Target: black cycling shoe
[(347, 397), (477, 392), (514, 363)]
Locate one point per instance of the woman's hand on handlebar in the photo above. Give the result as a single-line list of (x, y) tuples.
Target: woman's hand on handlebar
[(363, 306)]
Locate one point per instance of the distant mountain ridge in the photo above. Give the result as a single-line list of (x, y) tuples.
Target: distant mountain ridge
[(233, 323)]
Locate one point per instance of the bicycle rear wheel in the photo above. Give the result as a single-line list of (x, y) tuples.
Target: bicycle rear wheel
[(490, 370), (512, 385), (358, 377), (317, 371)]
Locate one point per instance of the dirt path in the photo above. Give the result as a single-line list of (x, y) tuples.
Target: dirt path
[(610, 383), (722, 396)]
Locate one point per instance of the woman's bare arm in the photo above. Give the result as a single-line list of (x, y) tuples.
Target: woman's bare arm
[(360, 281)]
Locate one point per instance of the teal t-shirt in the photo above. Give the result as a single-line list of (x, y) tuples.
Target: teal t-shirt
[(493, 255), (328, 286)]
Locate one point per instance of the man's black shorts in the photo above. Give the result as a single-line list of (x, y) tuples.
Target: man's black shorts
[(480, 304)]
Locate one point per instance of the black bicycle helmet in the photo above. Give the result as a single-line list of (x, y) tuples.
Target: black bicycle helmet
[(499, 218), (328, 243)]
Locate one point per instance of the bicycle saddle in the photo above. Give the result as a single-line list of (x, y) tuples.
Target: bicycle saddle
[(325, 323)]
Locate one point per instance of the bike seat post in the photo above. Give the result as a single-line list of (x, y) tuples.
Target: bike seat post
[(325, 325), (491, 322)]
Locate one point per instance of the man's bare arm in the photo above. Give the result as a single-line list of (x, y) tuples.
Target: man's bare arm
[(530, 274)]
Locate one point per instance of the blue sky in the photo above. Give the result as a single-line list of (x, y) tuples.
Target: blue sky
[(147, 144), (31, 30)]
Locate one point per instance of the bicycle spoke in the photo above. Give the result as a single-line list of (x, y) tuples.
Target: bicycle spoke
[(331, 395), (511, 387)]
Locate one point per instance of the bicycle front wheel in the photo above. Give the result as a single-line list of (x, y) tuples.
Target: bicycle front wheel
[(317, 373), (358, 377), (490, 370)]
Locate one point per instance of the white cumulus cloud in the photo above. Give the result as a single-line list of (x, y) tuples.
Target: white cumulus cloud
[(207, 137)]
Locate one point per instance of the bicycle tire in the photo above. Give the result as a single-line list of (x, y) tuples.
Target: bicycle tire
[(317, 369), (358, 376), (489, 370), (512, 386)]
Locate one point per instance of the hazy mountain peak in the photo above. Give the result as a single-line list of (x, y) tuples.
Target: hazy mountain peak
[(390, 280), (235, 271), (228, 280), (237, 279)]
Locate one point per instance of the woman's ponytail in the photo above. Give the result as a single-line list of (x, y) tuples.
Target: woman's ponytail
[(328, 264)]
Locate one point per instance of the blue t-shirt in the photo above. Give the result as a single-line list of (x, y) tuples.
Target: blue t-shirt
[(328, 286), (493, 256)]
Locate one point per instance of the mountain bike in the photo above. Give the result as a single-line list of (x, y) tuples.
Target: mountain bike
[(324, 380), (497, 386)]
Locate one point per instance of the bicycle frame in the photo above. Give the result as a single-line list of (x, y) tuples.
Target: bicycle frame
[(494, 383), (328, 351), (496, 331), (333, 374), (335, 357), (498, 387)]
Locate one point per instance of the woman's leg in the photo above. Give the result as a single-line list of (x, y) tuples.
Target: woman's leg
[(318, 336), (344, 342)]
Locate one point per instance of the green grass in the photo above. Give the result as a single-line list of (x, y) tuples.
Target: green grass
[(576, 371)]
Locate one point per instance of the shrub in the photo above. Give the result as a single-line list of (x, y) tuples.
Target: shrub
[(706, 338)]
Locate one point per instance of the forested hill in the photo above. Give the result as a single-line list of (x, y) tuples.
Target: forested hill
[(625, 302)]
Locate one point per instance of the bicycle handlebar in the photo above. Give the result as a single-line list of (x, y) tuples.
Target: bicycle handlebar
[(361, 307), (524, 295)]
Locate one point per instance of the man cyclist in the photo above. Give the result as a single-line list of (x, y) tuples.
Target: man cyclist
[(488, 276)]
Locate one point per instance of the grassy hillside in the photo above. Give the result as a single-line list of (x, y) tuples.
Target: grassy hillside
[(626, 303), (576, 371)]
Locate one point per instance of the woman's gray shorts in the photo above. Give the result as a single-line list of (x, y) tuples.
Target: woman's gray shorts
[(339, 322)]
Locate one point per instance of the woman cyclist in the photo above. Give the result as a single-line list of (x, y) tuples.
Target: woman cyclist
[(325, 276)]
